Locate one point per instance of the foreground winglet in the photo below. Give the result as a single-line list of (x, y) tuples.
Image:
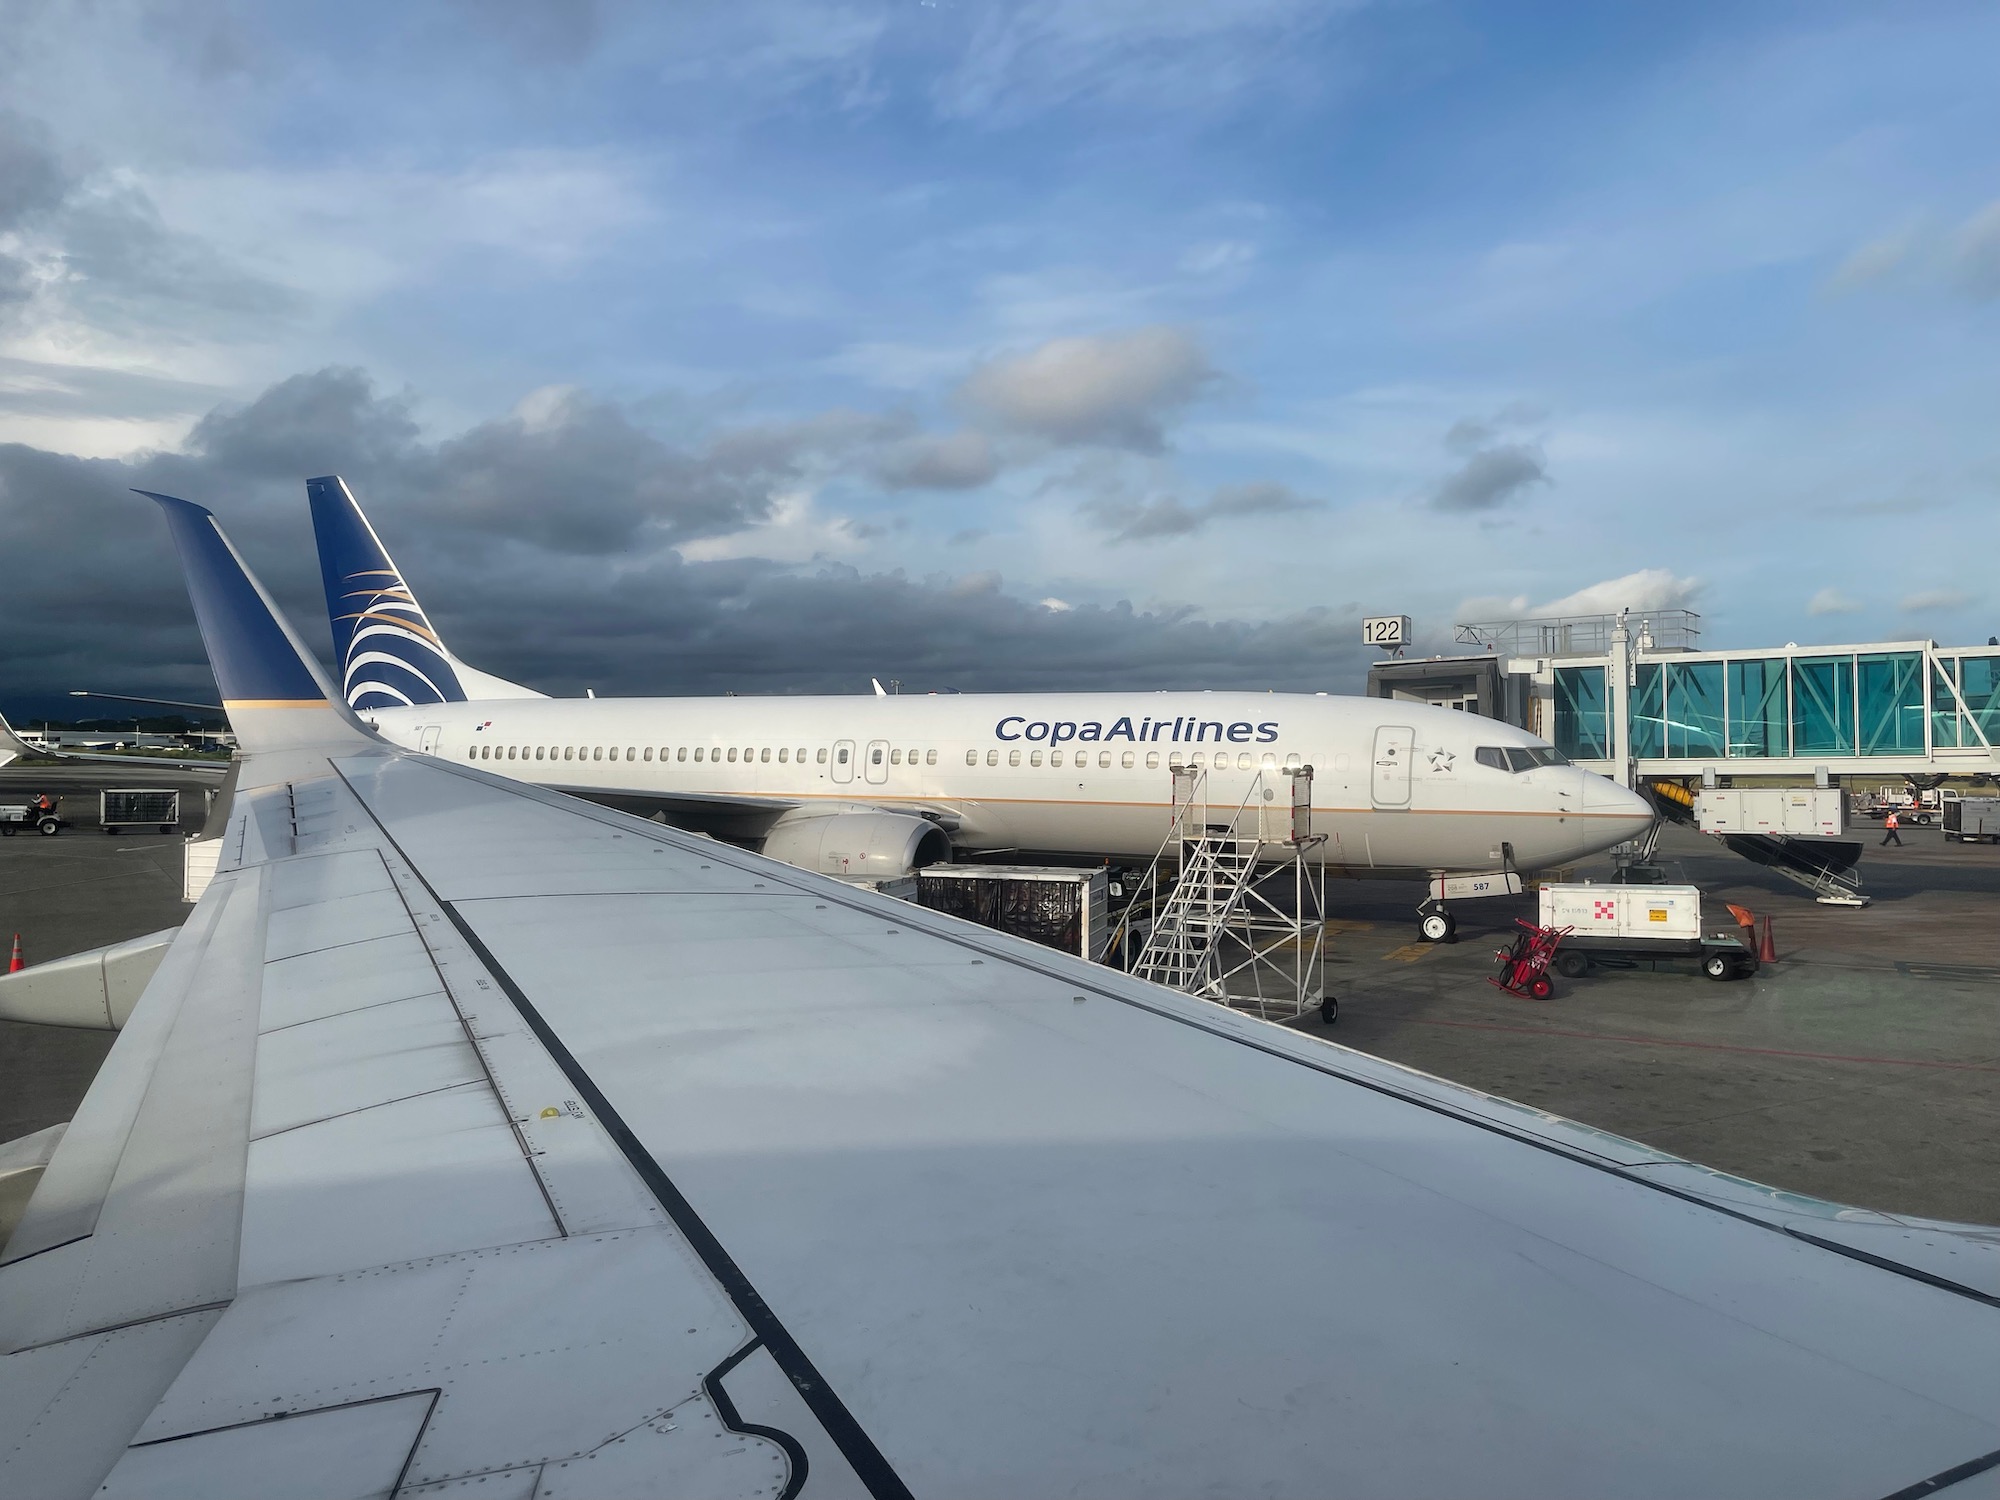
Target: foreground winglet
[(272, 690)]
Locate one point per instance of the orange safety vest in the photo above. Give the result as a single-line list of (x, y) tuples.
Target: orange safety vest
[(1890, 821)]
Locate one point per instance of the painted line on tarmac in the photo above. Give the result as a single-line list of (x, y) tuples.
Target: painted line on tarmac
[(1654, 1041)]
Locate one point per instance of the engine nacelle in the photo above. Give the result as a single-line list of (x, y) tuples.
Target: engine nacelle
[(862, 845)]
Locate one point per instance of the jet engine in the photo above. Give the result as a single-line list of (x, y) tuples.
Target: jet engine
[(860, 845)]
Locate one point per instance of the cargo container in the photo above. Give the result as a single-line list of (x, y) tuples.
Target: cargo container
[(1798, 812)]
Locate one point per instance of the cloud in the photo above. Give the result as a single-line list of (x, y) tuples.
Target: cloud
[(1933, 601), (1111, 389), (545, 545), (1831, 601), (1648, 590), (85, 256), (1494, 467), (1163, 516), (1965, 260), (1975, 255), (1026, 59), (1871, 262), (942, 461), (1217, 256), (1491, 477)]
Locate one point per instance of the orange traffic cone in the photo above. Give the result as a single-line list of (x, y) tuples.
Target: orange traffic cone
[(1767, 951), (14, 964)]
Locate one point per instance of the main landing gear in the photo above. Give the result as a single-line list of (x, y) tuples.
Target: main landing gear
[(1435, 924)]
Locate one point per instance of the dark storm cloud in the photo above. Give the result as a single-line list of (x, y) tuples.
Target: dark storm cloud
[(1166, 515), (489, 527)]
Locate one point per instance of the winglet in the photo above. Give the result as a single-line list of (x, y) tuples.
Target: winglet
[(271, 688), (12, 746)]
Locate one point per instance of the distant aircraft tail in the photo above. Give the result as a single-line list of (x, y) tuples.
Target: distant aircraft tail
[(272, 688), (389, 655)]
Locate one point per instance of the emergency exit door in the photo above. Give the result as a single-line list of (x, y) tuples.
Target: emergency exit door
[(1394, 745), (876, 767)]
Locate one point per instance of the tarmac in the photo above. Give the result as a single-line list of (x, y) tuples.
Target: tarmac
[(1861, 1067), (78, 890)]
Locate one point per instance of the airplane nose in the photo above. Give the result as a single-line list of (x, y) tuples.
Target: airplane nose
[(1607, 801)]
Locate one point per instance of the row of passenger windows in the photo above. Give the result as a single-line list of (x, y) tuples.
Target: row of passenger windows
[(761, 754), (1128, 759), (785, 755), (1518, 757)]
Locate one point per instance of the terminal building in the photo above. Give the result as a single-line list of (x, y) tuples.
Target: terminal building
[(1637, 698)]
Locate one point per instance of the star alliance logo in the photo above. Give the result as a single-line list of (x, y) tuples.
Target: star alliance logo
[(1441, 760)]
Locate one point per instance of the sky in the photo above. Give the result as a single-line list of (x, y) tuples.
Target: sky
[(770, 346)]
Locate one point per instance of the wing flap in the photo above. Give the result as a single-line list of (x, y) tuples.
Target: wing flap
[(353, 1452), (164, 1235)]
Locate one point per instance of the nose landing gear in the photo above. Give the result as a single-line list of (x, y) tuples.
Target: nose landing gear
[(1435, 924)]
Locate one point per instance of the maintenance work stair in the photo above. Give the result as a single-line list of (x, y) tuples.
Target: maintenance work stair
[(1222, 931)]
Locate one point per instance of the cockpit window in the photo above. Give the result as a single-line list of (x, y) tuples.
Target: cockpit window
[(1516, 758)]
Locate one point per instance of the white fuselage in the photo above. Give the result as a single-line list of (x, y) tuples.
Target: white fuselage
[(1398, 788)]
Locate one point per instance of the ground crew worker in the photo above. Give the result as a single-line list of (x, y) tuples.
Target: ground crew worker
[(1889, 834)]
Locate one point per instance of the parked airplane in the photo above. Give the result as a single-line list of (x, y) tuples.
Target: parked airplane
[(470, 1139), (877, 786)]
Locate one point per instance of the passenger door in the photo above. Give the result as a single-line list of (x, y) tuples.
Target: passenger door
[(1390, 784), (876, 769), (843, 760)]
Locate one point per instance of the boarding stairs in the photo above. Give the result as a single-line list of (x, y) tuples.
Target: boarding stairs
[(1825, 867), (1224, 931)]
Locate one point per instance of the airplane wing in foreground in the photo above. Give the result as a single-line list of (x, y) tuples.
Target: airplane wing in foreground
[(471, 1140)]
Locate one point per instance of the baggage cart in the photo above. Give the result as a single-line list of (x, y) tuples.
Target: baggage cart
[(1626, 926), (1972, 820), (139, 807)]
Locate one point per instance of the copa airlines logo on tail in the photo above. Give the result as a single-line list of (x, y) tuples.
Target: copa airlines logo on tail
[(390, 656), (394, 658), (1178, 731)]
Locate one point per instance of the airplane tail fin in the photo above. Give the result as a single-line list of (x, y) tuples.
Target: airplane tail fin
[(390, 656), (272, 689)]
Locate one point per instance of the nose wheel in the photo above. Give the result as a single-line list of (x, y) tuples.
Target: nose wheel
[(1435, 924)]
